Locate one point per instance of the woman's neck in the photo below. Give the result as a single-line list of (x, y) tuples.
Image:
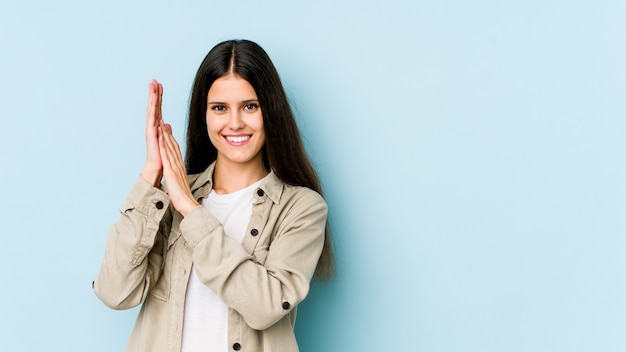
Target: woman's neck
[(231, 177)]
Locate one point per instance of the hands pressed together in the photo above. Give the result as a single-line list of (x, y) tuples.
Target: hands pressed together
[(164, 159)]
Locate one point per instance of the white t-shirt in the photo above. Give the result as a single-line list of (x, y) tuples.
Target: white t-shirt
[(205, 324)]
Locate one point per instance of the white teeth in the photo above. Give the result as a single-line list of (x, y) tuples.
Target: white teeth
[(237, 139)]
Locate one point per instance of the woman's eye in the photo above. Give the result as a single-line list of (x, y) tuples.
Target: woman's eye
[(250, 107), (218, 108)]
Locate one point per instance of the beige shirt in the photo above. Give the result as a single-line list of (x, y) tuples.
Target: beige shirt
[(151, 248)]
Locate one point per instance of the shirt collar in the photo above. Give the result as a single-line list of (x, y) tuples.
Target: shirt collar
[(201, 184), (273, 187)]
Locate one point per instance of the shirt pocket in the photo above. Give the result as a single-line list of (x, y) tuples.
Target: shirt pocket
[(164, 284), (260, 254)]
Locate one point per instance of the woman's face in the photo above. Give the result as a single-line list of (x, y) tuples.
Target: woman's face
[(234, 121)]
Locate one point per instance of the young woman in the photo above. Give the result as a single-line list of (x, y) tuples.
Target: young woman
[(222, 257)]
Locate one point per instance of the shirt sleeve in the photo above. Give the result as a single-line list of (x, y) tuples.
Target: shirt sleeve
[(133, 255), (261, 294)]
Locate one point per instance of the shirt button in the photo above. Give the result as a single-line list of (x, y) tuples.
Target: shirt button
[(159, 205), (254, 232), (260, 192), (286, 305), (236, 346)]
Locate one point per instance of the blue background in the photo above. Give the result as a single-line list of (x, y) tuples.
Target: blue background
[(472, 154)]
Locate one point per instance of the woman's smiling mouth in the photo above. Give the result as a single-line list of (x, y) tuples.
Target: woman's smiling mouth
[(238, 139)]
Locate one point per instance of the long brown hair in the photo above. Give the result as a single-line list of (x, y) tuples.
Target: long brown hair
[(283, 152)]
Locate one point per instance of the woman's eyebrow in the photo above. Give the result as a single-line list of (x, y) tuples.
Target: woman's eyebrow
[(247, 101)]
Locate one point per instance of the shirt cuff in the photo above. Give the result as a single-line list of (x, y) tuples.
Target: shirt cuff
[(146, 199), (198, 224)]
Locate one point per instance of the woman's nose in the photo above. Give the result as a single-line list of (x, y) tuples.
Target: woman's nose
[(236, 121)]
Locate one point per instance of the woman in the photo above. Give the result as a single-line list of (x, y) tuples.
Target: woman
[(222, 257)]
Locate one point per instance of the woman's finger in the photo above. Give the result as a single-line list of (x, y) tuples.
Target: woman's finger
[(172, 149), (168, 148), (153, 168), (174, 146), (174, 171), (150, 97), (163, 147), (159, 102)]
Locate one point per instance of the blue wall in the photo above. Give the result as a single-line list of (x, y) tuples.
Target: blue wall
[(473, 154)]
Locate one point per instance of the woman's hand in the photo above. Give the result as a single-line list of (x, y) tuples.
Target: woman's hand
[(153, 169), (174, 171)]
